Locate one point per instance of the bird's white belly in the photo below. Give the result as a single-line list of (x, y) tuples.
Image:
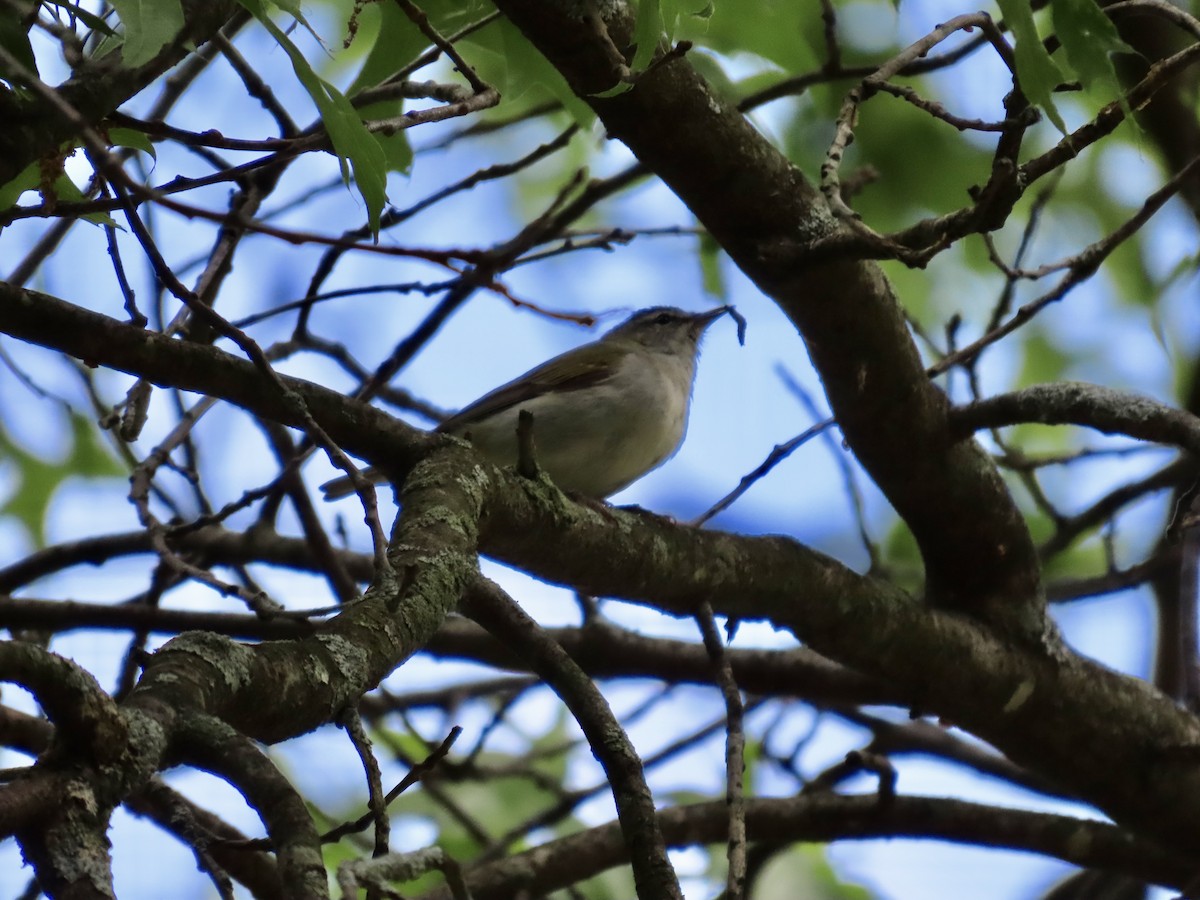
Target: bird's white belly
[(623, 430)]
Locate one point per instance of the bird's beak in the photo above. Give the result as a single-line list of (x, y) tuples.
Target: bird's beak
[(702, 320)]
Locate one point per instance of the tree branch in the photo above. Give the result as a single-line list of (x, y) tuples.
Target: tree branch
[(1105, 409), (824, 817)]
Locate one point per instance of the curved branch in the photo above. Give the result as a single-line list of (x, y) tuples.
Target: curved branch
[(312, 679), (85, 717), (652, 871), (209, 744), (211, 542), (197, 827), (1106, 507), (825, 817), (1104, 409), (170, 810)]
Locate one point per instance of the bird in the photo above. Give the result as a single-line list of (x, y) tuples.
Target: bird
[(604, 414)]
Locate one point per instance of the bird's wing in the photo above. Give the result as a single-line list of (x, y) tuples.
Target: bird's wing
[(588, 366)]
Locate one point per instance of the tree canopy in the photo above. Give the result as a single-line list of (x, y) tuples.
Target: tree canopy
[(934, 527)]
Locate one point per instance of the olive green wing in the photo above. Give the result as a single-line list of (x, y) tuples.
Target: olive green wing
[(574, 370)]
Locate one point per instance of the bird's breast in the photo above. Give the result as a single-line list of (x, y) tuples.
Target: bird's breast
[(599, 439)]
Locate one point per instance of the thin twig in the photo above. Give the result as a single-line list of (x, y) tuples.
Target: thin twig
[(778, 454), (352, 722), (735, 752)]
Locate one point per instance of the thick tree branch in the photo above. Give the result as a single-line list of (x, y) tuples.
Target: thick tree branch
[(1090, 405), (603, 650), (212, 745), (202, 677), (83, 714)]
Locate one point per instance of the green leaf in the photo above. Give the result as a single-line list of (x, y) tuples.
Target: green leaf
[(149, 26), (91, 457), (131, 137), (713, 277), (508, 61), (902, 556), (656, 18), (15, 39), (646, 33), (87, 457), (1043, 361), (1089, 38), (1037, 73), (11, 192), (770, 32), (397, 42), (673, 13), (63, 188), (356, 147), (292, 8), (803, 871), (1086, 554), (397, 151), (616, 90)]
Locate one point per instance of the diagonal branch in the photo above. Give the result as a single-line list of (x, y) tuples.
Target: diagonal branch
[(652, 871)]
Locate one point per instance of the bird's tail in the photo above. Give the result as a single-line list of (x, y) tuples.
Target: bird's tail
[(344, 487)]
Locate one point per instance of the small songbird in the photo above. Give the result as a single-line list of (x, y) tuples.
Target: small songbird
[(604, 414)]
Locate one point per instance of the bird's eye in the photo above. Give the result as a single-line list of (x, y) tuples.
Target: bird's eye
[(662, 319)]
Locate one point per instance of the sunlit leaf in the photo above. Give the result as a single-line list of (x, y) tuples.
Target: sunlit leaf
[(149, 26), (783, 33), (505, 59), (357, 148), (397, 42), (1037, 73), (63, 188), (1089, 38), (11, 192), (647, 32), (131, 137)]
